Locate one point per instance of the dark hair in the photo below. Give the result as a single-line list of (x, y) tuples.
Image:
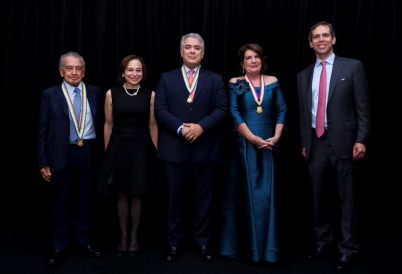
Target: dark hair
[(124, 64), (254, 47), (321, 23), (71, 54)]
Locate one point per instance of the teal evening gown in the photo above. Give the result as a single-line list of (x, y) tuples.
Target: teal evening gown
[(248, 228)]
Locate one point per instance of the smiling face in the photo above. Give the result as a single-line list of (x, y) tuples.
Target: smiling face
[(251, 62), (322, 42), (133, 73), (72, 70), (192, 52)]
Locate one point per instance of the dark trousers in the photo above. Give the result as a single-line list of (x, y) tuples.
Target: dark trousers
[(322, 162), (181, 177), (72, 197)]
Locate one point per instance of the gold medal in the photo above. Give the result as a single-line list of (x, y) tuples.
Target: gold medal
[(80, 143), (189, 100), (259, 109)]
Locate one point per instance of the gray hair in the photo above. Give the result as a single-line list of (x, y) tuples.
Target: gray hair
[(193, 35), (71, 54)]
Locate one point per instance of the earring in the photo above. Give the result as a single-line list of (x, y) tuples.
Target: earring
[(122, 75), (243, 70)]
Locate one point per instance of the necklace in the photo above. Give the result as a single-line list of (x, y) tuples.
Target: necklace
[(135, 93)]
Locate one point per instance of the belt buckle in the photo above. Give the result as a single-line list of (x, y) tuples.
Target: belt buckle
[(80, 143)]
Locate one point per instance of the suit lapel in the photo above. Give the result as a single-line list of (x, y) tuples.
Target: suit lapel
[(336, 70), (309, 88), (61, 100), (201, 81), (91, 101), (181, 82)]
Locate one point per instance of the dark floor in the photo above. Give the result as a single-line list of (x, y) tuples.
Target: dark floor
[(28, 255)]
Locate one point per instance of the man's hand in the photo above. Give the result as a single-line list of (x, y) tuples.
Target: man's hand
[(359, 150), (192, 131), (304, 152), (46, 174)]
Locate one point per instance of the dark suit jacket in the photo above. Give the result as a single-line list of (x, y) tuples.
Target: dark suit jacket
[(348, 109), (54, 125), (208, 109)]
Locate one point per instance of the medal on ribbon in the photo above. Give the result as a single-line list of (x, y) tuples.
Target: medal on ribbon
[(190, 88), (258, 99), (78, 123)]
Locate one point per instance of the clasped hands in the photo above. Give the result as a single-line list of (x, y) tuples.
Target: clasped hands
[(191, 131), (264, 144)]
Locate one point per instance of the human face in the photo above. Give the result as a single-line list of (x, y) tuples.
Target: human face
[(251, 62), (322, 42), (72, 70), (133, 73), (192, 52)]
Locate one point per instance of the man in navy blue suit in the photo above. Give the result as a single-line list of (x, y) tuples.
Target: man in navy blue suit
[(190, 104), (69, 124), (335, 139)]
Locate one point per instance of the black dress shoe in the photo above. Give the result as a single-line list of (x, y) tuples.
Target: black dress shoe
[(54, 257), (171, 255), (121, 254), (205, 253), (316, 252), (344, 262), (133, 254), (90, 252)]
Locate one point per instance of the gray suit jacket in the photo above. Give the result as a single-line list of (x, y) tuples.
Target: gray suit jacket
[(348, 108)]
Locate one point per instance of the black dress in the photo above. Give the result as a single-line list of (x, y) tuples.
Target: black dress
[(130, 157)]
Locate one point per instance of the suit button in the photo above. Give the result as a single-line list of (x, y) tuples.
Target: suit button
[(191, 108)]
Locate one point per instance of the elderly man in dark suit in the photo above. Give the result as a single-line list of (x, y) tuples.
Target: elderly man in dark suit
[(69, 124), (334, 126), (190, 104)]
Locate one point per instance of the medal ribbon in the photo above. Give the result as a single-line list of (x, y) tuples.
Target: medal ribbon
[(191, 88), (258, 99), (78, 123)]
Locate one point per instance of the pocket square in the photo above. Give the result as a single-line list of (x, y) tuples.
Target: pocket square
[(343, 79)]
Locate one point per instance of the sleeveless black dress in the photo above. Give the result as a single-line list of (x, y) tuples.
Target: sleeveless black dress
[(130, 157)]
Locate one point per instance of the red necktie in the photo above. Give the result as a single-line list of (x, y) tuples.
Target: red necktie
[(319, 124), (190, 76)]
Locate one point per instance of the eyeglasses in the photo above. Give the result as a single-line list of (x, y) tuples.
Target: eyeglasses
[(71, 68)]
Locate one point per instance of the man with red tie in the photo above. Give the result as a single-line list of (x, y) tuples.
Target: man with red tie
[(334, 126)]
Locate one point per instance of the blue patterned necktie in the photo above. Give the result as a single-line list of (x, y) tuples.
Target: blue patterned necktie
[(77, 109)]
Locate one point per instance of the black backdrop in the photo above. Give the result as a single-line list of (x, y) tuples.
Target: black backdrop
[(38, 32)]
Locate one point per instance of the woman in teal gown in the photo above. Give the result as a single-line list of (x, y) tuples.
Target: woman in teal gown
[(248, 228)]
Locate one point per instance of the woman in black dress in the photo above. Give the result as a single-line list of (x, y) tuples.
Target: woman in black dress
[(131, 139)]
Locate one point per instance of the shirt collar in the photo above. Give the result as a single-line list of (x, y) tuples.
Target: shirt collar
[(71, 88), (187, 69), (329, 60)]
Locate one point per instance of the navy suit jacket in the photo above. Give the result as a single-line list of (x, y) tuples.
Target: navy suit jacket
[(54, 125), (348, 108), (208, 109)]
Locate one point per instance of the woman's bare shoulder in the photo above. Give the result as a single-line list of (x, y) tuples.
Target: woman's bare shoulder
[(269, 79), (234, 79)]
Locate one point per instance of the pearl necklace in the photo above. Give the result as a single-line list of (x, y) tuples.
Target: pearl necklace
[(135, 93)]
